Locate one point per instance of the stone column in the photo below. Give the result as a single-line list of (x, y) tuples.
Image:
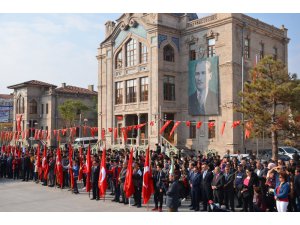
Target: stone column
[(138, 131)]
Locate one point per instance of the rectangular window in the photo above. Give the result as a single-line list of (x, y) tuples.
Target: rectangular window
[(212, 130), (193, 130), (143, 53), (192, 52), (119, 93), (144, 89), (169, 88), (42, 109), (211, 51), (119, 61), (275, 53), (261, 51), (47, 109), (246, 48), (131, 91)]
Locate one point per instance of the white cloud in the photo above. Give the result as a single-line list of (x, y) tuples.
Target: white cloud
[(48, 50)]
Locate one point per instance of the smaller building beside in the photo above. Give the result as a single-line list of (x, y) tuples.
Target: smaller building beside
[(37, 102)]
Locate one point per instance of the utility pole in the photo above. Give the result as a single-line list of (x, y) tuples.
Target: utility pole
[(243, 126)]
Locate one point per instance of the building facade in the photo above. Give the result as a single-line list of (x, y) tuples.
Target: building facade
[(37, 102), (150, 70)]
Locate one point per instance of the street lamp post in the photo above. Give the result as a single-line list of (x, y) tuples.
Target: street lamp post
[(243, 140)]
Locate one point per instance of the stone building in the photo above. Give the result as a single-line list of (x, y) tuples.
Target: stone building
[(38, 103), (145, 64)]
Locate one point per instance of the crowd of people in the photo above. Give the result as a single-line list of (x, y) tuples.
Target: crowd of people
[(210, 182)]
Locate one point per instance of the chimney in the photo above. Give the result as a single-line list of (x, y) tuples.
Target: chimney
[(91, 87), (63, 85)]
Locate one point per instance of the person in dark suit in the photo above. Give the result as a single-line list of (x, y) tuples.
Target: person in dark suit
[(173, 193), (206, 191), (203, 101), (297, 188), (217, 185), (137, 183), (95, 178), (122, 178), (195, 189), (159, 187), (26, 166), (229, 188)]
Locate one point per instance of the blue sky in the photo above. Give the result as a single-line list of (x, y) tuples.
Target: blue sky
[(59, 48)]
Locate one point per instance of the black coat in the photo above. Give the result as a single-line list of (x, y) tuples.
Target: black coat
[(229, 182), (159, 180), (173, 195), (297, 185), (196, 181), (206, 185), (95, 174)]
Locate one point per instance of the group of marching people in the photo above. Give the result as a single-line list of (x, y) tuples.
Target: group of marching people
[(216, 183)]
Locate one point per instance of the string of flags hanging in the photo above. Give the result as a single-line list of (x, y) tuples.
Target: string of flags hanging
[(71, 131)]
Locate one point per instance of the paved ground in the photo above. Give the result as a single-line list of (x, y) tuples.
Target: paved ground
[(18, 196)]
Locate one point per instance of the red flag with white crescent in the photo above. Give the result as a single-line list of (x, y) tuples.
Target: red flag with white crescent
[(128, 184), (147, 189), (102, 183)]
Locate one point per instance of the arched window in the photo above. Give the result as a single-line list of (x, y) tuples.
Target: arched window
[(118, 62), (22, 105), (169, 53), (32, 107), (143, 53), (131, 53), (18, 106)]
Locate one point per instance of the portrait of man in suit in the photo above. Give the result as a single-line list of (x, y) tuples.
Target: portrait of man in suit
[(204, 100)]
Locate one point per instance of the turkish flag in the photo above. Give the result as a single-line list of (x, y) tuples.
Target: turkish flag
[(124, 131), (88, 169), (223, 127), (120, 117), (115, 133), (188, 123), (248, 130), (59, 168), (165, 126), (174, 127), (152, 123), (71, 166), (102, 183), (211, 125), (45, 165), (236, 123), (128, 184), (147, 189), (19, 120), (198, 125), (103, 134), (80, 163)]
